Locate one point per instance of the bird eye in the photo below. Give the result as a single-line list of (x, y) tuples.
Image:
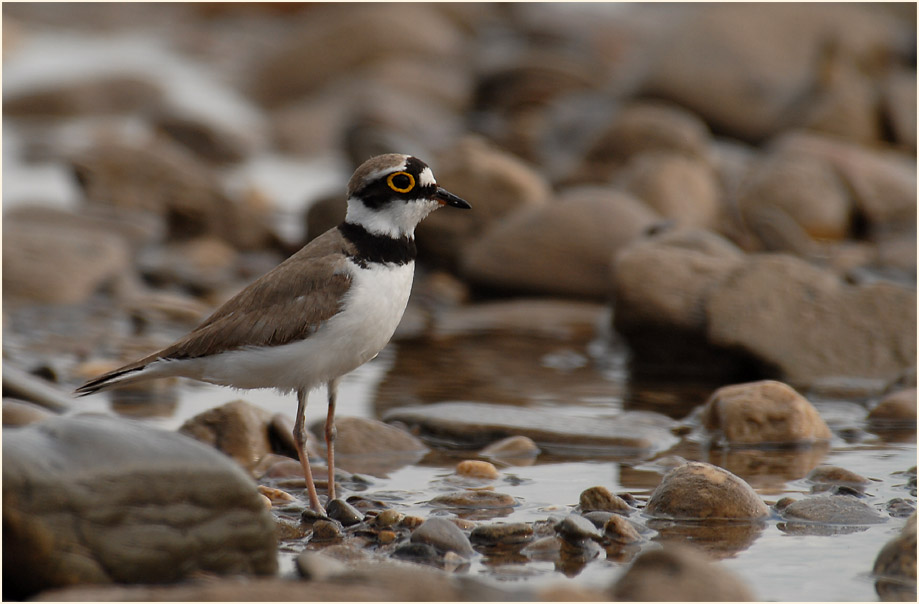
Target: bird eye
[(401, 182)]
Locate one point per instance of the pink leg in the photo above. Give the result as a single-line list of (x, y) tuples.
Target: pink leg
[(300, 442), (330, 434)]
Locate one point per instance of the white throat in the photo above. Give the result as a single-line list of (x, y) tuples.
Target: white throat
[(396, 220)]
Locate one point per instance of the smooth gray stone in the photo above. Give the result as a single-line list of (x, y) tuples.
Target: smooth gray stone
[(444, 536), (478, 424), (95, 499), (834, 509)]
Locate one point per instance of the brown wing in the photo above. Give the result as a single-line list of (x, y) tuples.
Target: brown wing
[(286, 304)]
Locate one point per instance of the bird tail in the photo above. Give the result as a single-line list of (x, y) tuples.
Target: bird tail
[(123, 375)]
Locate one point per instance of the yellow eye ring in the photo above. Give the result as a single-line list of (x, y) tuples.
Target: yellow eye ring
[(398, 189)]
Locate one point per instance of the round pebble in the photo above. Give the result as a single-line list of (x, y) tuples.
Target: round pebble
[(832, 510), (836, 475), (472, 468), (411, 522), (443, 535), (476, 500), (619, 530), (598, 518), (417, 552), (344, 512), (310, 516), (576, 528), (702, 491), (502, 533), (600, 499), (326, 530), (275, 496), (388, 518), (386, 537)]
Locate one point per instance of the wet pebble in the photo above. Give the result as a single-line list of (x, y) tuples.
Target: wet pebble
[(598, 518), (470, 423), (764, 412), (417, 552), (502, 533), (275, 496), (443, 535), (287, 529), (620, 530), (411, 522), (544, 548), (310, 516), (474, 500), (344, 512), (832, 509), (326, 530), (600, 499), (575, 528), (388, 518), (471, 468), (836, 475), (699, 490), (386, 537)]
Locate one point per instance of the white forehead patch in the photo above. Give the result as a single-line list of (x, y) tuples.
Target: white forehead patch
[(426, 178), (384, 171)]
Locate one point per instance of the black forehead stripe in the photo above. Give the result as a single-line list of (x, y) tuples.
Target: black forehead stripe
[(414, 166), (377, 248), (378, 193)]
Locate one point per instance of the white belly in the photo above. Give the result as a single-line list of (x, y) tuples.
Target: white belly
[(372, 310)]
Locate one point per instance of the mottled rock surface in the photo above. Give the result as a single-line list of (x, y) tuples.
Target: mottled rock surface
[(697, 490), (762, 413), (97, 500)]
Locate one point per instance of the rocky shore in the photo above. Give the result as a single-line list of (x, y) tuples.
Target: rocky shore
[(688, 284)]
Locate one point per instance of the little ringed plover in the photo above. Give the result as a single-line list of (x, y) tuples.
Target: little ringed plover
[(320, 314)]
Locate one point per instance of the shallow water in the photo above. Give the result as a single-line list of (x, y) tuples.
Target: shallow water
[(778, 562)]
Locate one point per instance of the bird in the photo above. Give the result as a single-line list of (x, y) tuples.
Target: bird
[(323, 312)]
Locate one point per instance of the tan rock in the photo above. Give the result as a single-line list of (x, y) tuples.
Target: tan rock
[(700, 491), (565, 248), (763, 413), (808, 324), (238, 429), (471, 468)]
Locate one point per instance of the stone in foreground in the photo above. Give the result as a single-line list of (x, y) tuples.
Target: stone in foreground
[(100, 500)]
